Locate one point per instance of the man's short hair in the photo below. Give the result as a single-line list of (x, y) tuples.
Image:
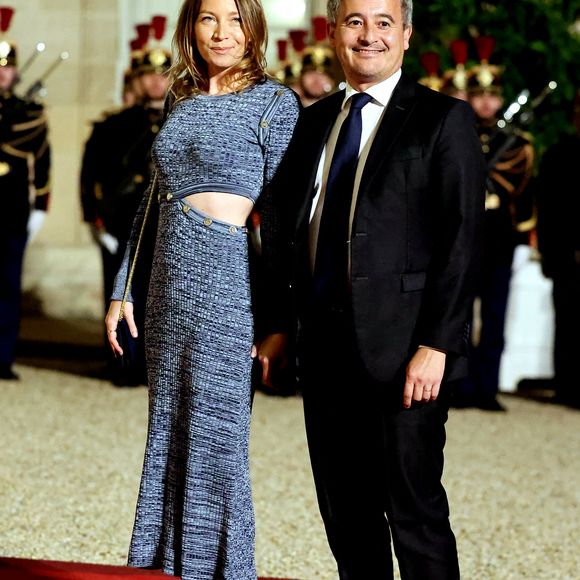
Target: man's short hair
[(332, 7)]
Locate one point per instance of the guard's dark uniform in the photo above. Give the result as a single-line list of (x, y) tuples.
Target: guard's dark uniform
[(117, 167), (509, 217), (116, 170), (115, 173), (24, 184)]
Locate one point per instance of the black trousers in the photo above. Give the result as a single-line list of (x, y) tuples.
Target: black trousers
[(377, 466), (11, 261), (483, 380), (566, 296)]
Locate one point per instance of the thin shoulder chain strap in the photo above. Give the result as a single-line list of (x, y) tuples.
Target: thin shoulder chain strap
[(137, 247)]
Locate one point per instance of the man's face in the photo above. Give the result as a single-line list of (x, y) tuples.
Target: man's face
[(7, 77), (370, 40), (153, 85), (486, 105), (316, 84)]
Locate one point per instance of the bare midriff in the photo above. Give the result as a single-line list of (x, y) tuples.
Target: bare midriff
[(225, 207)]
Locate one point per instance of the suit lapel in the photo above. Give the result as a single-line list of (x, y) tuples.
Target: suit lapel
[(396, 115)]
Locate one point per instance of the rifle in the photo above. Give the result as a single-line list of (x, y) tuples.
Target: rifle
[(37, 50), (38, 86), (519, 114)]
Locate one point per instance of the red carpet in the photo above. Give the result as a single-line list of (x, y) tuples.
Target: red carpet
[(20, 569)]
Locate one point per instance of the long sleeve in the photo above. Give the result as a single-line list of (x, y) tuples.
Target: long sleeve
[(458, 178), (270, 284), (123, 273), (42, 170), (88, 178)]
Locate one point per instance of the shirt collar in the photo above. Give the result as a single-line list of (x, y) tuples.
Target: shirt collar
[(381, 92)]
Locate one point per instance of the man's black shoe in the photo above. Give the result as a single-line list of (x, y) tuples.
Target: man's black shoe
[(490, 404), (7, 374)]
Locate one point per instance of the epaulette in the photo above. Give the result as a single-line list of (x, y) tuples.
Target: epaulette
[(107, 113)]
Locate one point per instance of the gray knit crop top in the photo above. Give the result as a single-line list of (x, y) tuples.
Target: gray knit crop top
[(229, 143)]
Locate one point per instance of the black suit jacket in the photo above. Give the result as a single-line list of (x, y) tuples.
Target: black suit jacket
[(416, 234)]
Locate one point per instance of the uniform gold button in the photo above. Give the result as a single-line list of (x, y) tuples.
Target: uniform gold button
[(233, 229), (207, 222), (185, 208), (169, 197), (485, 148), (4, 168)]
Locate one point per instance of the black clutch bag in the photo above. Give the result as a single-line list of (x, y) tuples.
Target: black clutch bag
[(128, 362)]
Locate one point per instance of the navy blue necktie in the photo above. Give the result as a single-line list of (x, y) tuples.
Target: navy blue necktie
[(331, 265)]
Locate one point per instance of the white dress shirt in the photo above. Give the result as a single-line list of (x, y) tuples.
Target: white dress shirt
[(371, 116)]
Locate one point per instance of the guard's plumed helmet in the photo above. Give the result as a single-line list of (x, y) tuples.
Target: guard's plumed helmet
[(7, 47)]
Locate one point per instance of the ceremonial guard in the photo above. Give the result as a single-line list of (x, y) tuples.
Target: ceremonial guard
[(509, 219), (116, 165), (453, 81), (559, 244), (24, 187), (310, 69)]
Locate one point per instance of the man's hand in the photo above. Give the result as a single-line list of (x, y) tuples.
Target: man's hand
[(271, 352), (424, 375)]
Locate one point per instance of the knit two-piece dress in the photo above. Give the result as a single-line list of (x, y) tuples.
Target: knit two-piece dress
[(194, 513)]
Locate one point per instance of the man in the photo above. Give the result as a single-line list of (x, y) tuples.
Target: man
[(559, 245), (509, 218), (116, 170), (24, 185), (383, 326)]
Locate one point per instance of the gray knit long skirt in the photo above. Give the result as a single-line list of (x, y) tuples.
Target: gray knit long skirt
[(194, 513)]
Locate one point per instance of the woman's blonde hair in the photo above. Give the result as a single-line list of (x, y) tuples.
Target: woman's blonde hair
[(188, 74)]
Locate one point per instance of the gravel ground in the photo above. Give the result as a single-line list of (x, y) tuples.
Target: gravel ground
[(71, 456)]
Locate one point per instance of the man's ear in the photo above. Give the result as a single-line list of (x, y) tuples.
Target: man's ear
[(407, 36), (331, 29)]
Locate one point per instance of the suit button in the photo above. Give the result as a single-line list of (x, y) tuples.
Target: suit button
[(207, 221)]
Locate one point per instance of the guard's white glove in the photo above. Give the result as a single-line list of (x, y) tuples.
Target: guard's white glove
[(109, 242), (522, 255), (35, 221), (105, 239)]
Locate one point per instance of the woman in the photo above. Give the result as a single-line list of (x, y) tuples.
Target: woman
[(225, 134)]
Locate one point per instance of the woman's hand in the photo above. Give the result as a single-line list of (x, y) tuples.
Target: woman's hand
[(111, 321), (271, 352)]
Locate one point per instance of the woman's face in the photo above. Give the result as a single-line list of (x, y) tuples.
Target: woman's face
[(220, 39)]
